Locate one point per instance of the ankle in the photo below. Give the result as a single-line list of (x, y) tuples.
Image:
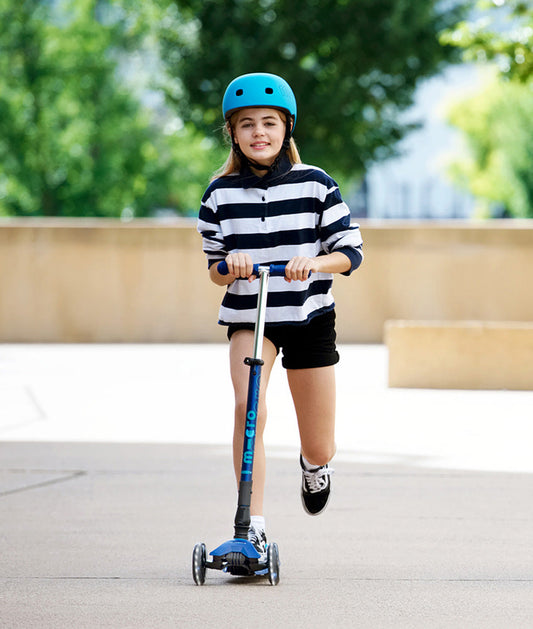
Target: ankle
[(306, 465), (257, 522)]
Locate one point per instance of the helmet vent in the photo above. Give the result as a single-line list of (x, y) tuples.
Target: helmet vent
[(269, 90), (239, 93)]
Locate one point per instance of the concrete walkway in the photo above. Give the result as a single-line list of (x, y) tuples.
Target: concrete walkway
[(115, 461)]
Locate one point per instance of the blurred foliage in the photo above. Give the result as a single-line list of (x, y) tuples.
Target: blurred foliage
[(502, 31), (497, 167), (74, 138), (353, 65), (497, 121), (85, 130)]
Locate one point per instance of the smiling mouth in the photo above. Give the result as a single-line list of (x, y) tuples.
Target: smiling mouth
[(260, 145)]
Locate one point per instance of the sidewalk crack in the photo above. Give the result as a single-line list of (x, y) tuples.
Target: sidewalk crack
[(53, 481)]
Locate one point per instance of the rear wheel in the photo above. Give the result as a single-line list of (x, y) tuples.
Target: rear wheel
[(273, 563), (198, 563)]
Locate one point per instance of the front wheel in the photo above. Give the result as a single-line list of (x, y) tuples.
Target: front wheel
[(198, 563), (273, 563)]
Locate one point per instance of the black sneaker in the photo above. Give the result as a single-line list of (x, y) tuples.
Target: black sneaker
[(316, 488), (259, 541)]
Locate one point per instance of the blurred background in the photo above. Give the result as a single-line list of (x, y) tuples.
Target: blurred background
[(419, 108), (111, 127)]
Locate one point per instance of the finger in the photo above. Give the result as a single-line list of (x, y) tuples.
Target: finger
[(291, 269), (249, 268), (229, 262), (234, 265), (299, 268), (242, 265)]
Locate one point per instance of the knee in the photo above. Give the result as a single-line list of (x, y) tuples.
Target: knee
[(321, 454), (240, 412), (241, 408)]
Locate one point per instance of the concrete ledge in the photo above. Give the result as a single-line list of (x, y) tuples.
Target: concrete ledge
[(146, 281), (460, 354)]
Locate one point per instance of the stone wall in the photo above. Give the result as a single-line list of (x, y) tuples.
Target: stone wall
[(81, 280)]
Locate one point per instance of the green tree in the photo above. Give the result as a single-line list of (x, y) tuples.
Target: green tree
[(497, 165), (353, 64), (500, 31), (497, 121), (74, 138)]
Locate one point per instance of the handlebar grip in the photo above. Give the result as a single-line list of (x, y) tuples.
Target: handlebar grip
[(222, 268), (275, 269)]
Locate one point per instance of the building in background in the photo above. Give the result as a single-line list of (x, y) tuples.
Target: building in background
[(415, 185)]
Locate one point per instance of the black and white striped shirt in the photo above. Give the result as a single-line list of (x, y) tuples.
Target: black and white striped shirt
[(295, 211)]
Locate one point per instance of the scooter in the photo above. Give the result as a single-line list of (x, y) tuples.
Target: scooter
[(238, 556)]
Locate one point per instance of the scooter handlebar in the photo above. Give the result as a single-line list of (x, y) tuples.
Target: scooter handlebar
[(275, 269)]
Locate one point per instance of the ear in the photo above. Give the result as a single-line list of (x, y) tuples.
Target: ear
[(229, 129)]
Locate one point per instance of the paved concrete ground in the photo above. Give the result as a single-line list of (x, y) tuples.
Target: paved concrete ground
[(114, 462)]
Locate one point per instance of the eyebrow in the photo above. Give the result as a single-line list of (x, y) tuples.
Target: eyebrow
[(267, 117)]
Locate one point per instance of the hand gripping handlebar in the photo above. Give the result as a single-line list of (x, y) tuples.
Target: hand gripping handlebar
[(274, 269)]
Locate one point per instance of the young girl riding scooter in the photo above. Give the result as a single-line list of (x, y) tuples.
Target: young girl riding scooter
[(266, 207)]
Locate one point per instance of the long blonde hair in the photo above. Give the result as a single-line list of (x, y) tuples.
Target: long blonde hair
[(233, 163)]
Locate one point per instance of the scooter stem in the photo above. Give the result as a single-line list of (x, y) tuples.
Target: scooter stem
[(242, 517)]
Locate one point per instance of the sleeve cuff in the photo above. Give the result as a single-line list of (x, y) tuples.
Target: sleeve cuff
[(355, 256)]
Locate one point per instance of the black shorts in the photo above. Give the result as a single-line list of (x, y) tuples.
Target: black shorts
[(304, 346)]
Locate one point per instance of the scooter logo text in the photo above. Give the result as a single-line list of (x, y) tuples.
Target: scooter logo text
[(248, 455)]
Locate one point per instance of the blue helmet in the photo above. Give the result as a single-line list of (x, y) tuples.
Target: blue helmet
[(259, 89)]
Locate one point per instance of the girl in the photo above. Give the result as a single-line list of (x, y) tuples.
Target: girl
[(265, 206)]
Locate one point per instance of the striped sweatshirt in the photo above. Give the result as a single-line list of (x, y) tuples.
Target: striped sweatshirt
[(297, 210)]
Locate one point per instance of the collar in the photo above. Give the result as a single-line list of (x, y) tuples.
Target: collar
[(250, 180)]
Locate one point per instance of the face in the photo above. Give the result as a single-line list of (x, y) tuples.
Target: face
[(259, 132)]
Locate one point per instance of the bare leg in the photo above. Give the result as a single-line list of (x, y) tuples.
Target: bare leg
[(241, 346), (313, 393)]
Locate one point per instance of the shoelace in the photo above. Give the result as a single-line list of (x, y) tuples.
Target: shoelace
[(258, 539), (316, 480)]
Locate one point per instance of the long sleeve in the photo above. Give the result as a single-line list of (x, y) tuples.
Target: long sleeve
[(209, 228), (336, 231)]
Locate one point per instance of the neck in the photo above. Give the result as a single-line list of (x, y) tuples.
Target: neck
[(258, 173)]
